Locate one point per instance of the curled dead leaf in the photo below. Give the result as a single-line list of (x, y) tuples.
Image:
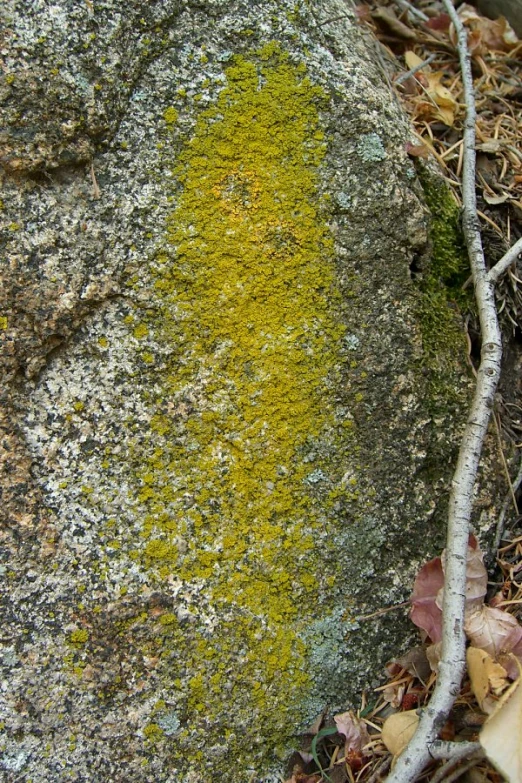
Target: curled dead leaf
[(500, 735), (353, 729), (415, 663), (424, 610), (485, 34), (398, 730), (487, 677), (434, 654), (494, 631), (417, 150), (495, 199)]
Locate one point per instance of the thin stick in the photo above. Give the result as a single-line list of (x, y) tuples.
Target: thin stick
[(381, 769), (507, 502), (444, 775), (416, 756), (454, 751), (506, 261), (504, 463), (379, 612), (404, 76), (406, 6)]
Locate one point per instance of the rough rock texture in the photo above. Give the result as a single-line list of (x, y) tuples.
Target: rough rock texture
[(225, 434)]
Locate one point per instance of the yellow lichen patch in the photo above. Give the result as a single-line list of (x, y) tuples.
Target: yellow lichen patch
[(79, 637), (244, 438)]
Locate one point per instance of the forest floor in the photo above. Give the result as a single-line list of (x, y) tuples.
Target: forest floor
[(417, 49)]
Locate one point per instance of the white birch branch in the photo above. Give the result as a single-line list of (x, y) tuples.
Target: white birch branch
[(454, 751), (451, 668), (505, 262)]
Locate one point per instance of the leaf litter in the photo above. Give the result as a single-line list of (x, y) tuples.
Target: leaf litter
[(360, 746)]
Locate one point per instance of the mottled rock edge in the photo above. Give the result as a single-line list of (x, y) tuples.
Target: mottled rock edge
[(121, 628)]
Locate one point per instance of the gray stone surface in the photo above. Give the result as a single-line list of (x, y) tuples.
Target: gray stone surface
[(222, 441)]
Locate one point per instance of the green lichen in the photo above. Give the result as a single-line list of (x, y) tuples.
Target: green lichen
[(141, 331), (153, 732), (170, 116), (442, 299), (79, 637), (244, 467)]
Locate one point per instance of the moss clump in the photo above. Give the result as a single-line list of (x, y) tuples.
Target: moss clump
[(442, 299), (245, 458)]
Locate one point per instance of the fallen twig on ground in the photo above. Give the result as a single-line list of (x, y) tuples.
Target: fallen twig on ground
[(416, 756), (505, 262)]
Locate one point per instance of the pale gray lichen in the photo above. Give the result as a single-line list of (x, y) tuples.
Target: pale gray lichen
[(371, 149)]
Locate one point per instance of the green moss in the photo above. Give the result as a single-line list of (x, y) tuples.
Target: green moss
[(442, 299), (244, 466)]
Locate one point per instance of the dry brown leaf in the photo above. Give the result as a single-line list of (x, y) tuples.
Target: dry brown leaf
[(511, 664), (476, 578), (424, 610), (495, 199), (415, 663), (487, 34), (393, 695), (501, 734), (486, 677), (441, 23), (398, 730), (353, 730), (442, 97), (494, 631), (434, 654), (417, 150)]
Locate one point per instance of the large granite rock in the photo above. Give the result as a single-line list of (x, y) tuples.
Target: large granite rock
[(226, 431)]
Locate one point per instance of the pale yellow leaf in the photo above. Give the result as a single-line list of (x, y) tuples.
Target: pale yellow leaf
[(398, 730), (501, 734), (434, 654), (412, 60), (445, 115), (486, 677), (440, 94)]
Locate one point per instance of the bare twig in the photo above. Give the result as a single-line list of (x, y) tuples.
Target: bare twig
[(379, 612), (454, 751), (445, 775), (496, 422), (381, 769), (452, 665), (405, 76), (406, 6), (505, 262), (503, 511)]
